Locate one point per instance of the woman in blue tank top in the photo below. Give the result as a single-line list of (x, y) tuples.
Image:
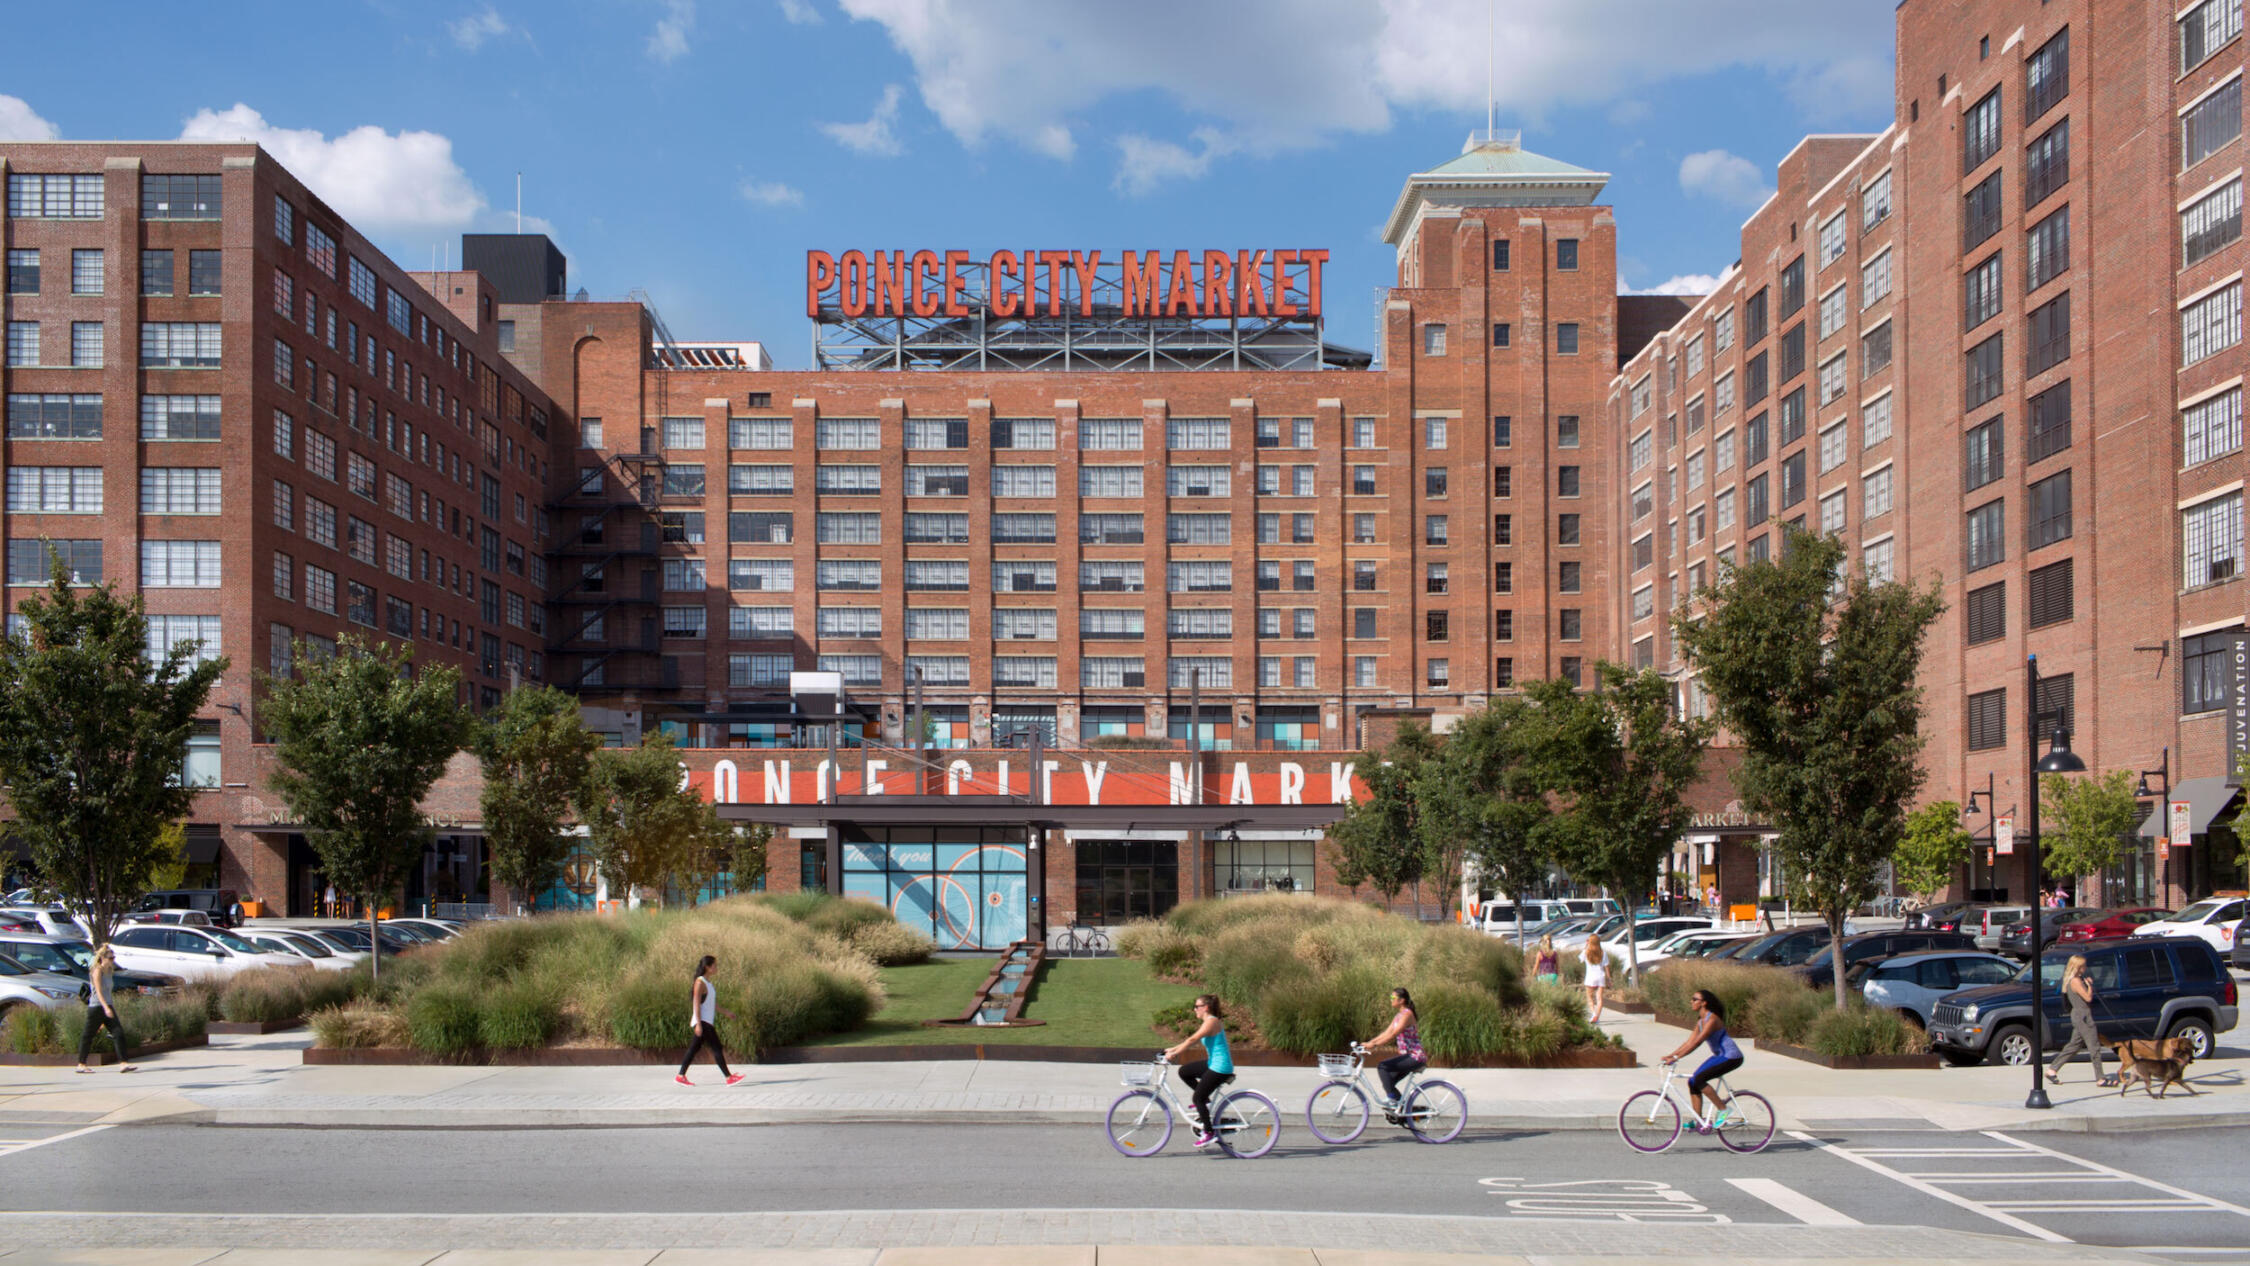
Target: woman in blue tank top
[(1214, 1070), (1710, 1030)]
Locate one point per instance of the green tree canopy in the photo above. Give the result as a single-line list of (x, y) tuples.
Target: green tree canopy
[(1497, 795), (1378, 841), (93, 739), (359, 738), (1931, 848), (536, 754), (2086, 824), (1813, 671), (640, 821)]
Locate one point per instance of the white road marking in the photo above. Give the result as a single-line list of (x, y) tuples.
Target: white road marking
[(1908, 1180), (1795, 1203), (1634, 1200), (2202, 1201), (9, 1147)]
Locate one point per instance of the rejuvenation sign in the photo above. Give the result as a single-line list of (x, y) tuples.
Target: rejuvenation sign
[(1271, 284)]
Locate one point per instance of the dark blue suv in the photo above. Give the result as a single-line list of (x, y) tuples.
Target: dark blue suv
[(2144, 986)]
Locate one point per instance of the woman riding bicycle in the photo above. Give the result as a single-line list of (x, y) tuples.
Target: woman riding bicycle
[(1214, 1070), (1406, 1032), (1710, 1030)]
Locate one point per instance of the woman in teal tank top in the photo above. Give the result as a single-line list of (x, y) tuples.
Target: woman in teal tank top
[(1214, 1070)]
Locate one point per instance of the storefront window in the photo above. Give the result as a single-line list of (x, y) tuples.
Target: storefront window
[(1216, 733), (1112, 722), (1289, 729), (1263, 865), (1123, 880)]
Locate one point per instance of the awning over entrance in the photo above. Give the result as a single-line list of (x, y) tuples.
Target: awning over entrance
[(2207, 798)]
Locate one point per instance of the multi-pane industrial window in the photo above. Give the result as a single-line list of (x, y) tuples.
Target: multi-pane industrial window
[(1695, 465), (1020, 624), (1433, 481), (682, 432), (1109, 433), (859, 480), (766, 527), (1199, 577), (183, 418), (936, 575), (1201, 623), (1756, 381), (86, 272), (2211, 541), (1566, 338), (1792, 352), (1792, 479), (1196, 481), (2211, 324), (1112, 623), (682, 621), (1792, 289), (1210, 671), (762, 433), (1980, 132), (1722, 510), (54, 416), (320, 589), (1500, 334), (2046, 76), (284, 577), (848, 573), (2212, 428), (1012, 433), (2050, 510), (2050, 335), (941, 624), (86, 345), (398, 557), (179, 564), (1875, 351), (55, 489), (847, 433), (1980, 292), (32, 561), (166, 632), (1021, 529), (1434, 530), (1096, 672), (1365, 576), (1755, 510), (761, 622), (1875, 279), (2047, 250), (1980, 213), (1566, 431), (156, 272), (1834, 307), (1835, 377), (1984, 372), (1722, 331), (1198, 529), (179, 197), (922, 481), (850, 622), (1754, 441), (54, 197), (1832, 240), (1835, 445), (1433, 340), (206, 271), (1875, 560), (921, 529), (23, 272), (2206, 670), (1832, 513), (1722, 395), (320, 522), (180, 345), (938, 670), (1114, 529), (2214, 221), (2046, 165), (1566, 529), (320, 249), (1644, 551), (2207, 28), (1109, 481), (1792, 417), (1988, 720), (1641, 451), (924, 433), (2050, 423), (362, 281), (1022, 575), (2052, 601), (867, 528), (1986, 538), (2211, 123), (359, 475), (773, 670), (1302, 576), (1197, 433), (761, 481), (1984, 458)]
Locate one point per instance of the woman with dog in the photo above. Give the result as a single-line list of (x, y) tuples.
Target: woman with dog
[(2078, 991)]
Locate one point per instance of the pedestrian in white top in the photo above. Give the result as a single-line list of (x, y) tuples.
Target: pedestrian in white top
[(703, 1020), (1597, 976)]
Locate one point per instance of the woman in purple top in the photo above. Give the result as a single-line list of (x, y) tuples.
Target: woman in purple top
[(1406, 1033)]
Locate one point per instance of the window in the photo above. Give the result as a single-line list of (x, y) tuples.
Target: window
[(1835, 378), (1984, 373), (2212, 324), (205, 271), (1502, 431), (2047, 249), (31, 561), (1433, 529), (1835, 446), (850, 622), (758, 433), (847, 433), (1566, 254), (1020, 529), (1197, 529), (179, 564), (2051, 708), (773, 670), (1980, 293), (198, 634), (1755, 379), (2213, 222), (54, 490), (1500, 255), (1199, 577), (1436, 626), (1874, 280), (761, 481), (1832, 240), (1196, 481), (1834, 307), (1364, 576), (54, 197), (54, 416), (1211, 671), (2206, 670), (924, 433), (1755, 510), (179, 197), (2051, 599), (1433, 340), (1988, 720), (1722, 395), (86, 273), (1437, 674), (2046, 164), (1566, 338), (1722, 510), (1500, 334), (2212, 427), (752, 623), (1112, 623), (1015, 433), (2050, 510), (1986, 537), (931, 575), (179, 490), (1980, 213), (2207, 28), (1792, 479), (1980, 132), (1201, 623), (1197, 434), (848, 573), (1984, 458), (2211, 123), (922, 481), (1792, 415), (947, 624), (1433, 434), (2050, 423), (772, 528), (1641, 451), (1792, 289), (1832, 513), (1566, 431), (179, 345), (1109, 433), (23, 343), (1302, 576), (1363, 529), (1116, 529), (1109, 481), (1792, 352), (682, 432), (1644, 551), (1566, 529), (1029, 576), (2046, 76), (2211, 541), (193, 418), (860, 480), (2050, 335)]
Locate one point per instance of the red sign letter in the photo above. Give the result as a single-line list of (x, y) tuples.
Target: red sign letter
[(820, 273), (925, 300), (954, 283), (1139, 283), (1312, 261)]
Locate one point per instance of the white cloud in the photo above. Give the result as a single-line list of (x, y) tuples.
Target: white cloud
[(1026, 71), (800, 12), (772, 193), (380, 181), (1146, 164), (1729, 178), (1683, 284), (878, 136), (470, 33), (668, 42), (19, 122)]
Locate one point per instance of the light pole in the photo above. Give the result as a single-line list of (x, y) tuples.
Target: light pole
[(2058, 760), (2163, 794), (1991, 828)]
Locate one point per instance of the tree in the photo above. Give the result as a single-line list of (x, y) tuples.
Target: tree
[(1378, 841), (1618, 762), (93, 740), (1931, 847), (171, 847), (1813, 671), (2086, 823), (1508, 813), (639, 819), (747, 856), (536, 754), (359, 738)]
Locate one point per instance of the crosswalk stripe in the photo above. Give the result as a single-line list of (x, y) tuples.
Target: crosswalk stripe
[(2182, 1192), (1795, 1203), (2032, 1229), (27, 1144)]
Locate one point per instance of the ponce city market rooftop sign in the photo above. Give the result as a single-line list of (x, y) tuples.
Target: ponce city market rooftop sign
[(1263, 283)]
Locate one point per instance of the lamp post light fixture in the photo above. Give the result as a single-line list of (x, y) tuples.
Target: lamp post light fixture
[(2058, 760), (2163, 794)]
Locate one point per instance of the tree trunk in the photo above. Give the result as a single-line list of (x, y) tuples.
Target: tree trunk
[(1632, 945), (1836, 954), (374, 944)]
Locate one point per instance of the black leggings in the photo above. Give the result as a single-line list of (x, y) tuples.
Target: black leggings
[(96, 1020), (1710, 1070), (1395, 1068), (1204, 1082), (706, 1035)]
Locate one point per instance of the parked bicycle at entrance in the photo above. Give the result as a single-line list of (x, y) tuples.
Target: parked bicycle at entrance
[(1246, 1123), (1433, 1110)]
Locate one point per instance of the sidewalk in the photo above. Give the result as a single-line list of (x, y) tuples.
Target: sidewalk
[(262, 1081)]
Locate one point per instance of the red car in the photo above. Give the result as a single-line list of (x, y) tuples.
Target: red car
[(2108, 923)]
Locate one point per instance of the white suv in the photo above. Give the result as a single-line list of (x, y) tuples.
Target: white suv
[(193, 953), (2216, 921), (54, 920)]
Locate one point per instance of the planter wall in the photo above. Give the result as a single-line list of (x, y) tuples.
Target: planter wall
[(102, 1055)]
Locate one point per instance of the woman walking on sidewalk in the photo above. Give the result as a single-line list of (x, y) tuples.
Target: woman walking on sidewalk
[(703, 1019), (1597, 977), (1546, 965), (101, 1011), (2078, 991)]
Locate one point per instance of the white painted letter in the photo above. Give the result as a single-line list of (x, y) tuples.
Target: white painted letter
[(777, 783), (874, 778), (1239, 793), (726, 783), (1095, 772), (1181, 794), (954, 773), (1005, 789), (1047, 780), (821, 775), (1339, 782), (1292, 783)]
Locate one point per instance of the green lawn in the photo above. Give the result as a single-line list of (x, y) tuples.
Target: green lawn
[(1084, 1001)]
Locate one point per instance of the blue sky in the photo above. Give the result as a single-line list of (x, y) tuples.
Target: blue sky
[(697, 149)]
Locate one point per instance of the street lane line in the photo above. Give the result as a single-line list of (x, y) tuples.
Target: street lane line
[(12, 1148), (2031, 1229), (2209, 1202), (1795, 1203)]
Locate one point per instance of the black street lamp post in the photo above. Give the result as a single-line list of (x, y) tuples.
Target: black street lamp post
[(2058, 760), (1991, 830), (2163, 794)]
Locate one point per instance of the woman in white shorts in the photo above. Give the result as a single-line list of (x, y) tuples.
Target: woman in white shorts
[(1597, 977)]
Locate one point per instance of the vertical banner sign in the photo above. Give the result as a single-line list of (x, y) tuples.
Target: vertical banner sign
[(2004, 835), (2238, 706), (2179, 838)]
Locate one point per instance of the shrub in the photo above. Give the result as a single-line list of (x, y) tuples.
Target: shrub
[(1459, 1021), (442, 1019), (357, 1027), (518, 1016), (649, 1012), (892, 944), (1178, 958), (1310, 1014), (1138, 938), (1863, 1030), (1244, 962), (266, 995), (1786, 1015), (30, 1030)]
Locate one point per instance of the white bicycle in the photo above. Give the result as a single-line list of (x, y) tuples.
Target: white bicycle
[(1246, 1123), (1433, 1110), (1650, 1120)]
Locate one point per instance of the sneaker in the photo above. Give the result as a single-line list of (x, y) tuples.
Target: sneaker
[(128, 1068), (682, 1079), (1725, 1115), (734, 1078), (1205, 1140)]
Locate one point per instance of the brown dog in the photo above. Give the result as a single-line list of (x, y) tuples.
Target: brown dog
[(2157, 1063)]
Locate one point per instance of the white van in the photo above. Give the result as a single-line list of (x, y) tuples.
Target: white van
[(1498, 918)]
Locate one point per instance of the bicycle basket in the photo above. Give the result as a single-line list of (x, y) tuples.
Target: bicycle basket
[(1137, 1072), (1338, 1065)]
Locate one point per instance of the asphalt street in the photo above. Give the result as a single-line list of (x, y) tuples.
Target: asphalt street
[(2183, 1194)]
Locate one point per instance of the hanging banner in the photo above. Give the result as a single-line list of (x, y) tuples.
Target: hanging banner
[(2004, 835), (2182, 833), (2238, 706)]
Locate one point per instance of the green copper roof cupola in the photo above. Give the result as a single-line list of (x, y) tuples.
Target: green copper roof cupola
[(1492, 170)]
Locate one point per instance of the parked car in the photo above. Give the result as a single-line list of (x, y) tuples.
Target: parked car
[(1692, 943), (21, 986), (2214, 920), (1911, 984), (16, 921), (2015, 938), (177, 918), (2242, 953), (1925, 916), (195, 953), (2101, 925), (1599, 928), (296, 945), (1787, 947), (2167, 986), (352, 940), (76, 959), (1500, 918), (431, 929), (1992, 921), (1868, 948), (1647, 932), (1731, 951), (218, 903), (1965, 919), (53, 919)]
